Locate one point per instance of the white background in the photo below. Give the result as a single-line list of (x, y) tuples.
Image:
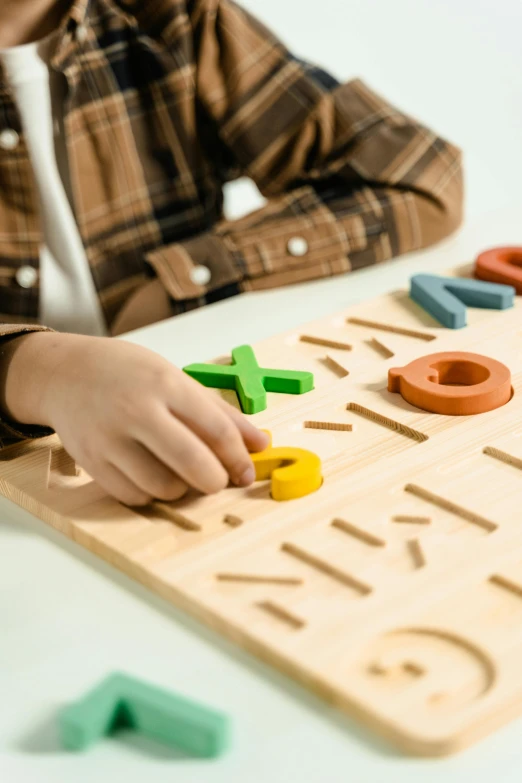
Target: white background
[(456, 65), (67, 619)]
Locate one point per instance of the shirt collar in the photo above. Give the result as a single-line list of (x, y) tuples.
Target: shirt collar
[(65, 38), (65, 34), (78, 12)]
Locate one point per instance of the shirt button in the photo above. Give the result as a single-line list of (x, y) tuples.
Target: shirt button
[(200, 275), (297, 246), (26, 276), (9, 139), (81, 33)]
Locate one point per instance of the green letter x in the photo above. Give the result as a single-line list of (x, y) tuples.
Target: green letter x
[(249, 380)]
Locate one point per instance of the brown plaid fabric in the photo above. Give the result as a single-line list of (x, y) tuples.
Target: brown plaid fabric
[(169, 99)]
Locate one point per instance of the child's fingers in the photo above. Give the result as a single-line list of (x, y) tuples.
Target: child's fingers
[(182, 451), (254, 439), (146, 472), (116, 484), (200, 412)]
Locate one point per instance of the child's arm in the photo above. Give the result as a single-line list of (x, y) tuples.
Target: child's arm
[(351, 180), (140, 427)]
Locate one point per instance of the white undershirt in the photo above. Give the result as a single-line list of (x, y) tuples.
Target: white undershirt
[(68, 299)]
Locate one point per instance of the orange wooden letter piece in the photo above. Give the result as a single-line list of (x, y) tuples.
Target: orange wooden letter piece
[(501, 265), (453, 383)]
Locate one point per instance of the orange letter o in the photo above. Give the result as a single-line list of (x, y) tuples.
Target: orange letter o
[(453, 383), (501, 265)]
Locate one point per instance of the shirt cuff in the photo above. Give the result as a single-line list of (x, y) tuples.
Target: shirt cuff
[(194, 268), (266, 249), (12, 431)]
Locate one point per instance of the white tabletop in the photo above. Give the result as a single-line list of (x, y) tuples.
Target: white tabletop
[(68, 619)]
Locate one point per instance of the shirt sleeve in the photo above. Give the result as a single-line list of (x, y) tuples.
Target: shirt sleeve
[(350, 180)]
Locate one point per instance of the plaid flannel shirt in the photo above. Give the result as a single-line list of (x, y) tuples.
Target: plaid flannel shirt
[(166, 101)]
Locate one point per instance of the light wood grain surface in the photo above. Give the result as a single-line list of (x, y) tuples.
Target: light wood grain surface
[(395, 590)]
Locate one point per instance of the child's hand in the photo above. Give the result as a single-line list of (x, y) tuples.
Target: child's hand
[(139, 426)]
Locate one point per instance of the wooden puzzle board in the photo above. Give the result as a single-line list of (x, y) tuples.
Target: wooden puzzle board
[(395, 591)]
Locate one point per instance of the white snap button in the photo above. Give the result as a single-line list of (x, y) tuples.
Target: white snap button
[(200, 275), (9, 139), (81, 33), (26, 276), (297, 246)]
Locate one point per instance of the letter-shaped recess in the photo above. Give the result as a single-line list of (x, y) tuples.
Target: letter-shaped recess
[(501, 265), (120, 701), (453, 383), (250, 381), (445, 298), (294, 472)]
